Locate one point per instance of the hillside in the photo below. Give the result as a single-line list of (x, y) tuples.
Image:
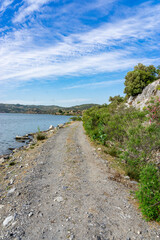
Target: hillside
[(41, 109)]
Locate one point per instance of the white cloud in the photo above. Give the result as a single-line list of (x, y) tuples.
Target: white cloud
[(28, 8), (5, 4), (111, 47), (95, 84)]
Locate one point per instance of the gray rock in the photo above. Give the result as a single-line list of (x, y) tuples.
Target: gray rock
[(98, 238), (134, 182), (1, 160), (60, 125), (11, 191), (7, 220), (30, 214), (11, 181), (141, 100), (126, 177), (59, 199), (72, 237), (1, 206), (51, 127)]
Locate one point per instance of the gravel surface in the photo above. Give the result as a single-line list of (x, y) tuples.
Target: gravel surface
[(68, 194)]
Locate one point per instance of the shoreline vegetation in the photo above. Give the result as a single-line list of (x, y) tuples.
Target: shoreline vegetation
[(132, 136)]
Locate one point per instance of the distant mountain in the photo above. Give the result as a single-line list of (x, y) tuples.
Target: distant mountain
[(41, 109)]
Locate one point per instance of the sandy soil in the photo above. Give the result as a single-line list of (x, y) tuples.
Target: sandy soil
[(66, 192)]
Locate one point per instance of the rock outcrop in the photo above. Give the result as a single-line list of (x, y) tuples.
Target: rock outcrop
[(140, 101)]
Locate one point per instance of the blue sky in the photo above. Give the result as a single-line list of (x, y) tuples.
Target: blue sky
[(69, 52)]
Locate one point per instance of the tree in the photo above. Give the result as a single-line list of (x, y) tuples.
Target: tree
[(158, 71), (60, 111), (139, 78), (116, 99)]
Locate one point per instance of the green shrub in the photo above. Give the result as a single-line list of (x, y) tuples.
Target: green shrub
[(113, 151), (139, 146), (111, 123), (76, 118), (149, 192), (41, 136)]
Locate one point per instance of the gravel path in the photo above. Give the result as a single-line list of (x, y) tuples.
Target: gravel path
[(68, 194)]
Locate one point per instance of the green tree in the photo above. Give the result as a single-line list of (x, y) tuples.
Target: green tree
[(158, 71), (116, 99), (60, 111), (139, 78)]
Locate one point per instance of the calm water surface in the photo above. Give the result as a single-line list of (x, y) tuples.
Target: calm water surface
[(12, 124)]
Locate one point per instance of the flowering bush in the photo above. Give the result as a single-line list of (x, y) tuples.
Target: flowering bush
[(153, 110)]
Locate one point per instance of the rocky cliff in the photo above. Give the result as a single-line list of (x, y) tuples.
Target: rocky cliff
[(140, 101)]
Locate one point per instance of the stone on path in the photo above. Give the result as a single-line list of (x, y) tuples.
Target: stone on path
[(58, 199), (7, 220), (11, 191)]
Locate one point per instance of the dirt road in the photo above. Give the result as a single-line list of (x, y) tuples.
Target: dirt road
[(68, 195)]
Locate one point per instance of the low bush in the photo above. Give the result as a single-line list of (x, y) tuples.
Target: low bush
[(149, 192), (76, 118), (139, 147), (41, 136)]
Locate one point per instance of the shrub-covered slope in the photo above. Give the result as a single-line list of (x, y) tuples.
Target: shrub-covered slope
[(133, 137)]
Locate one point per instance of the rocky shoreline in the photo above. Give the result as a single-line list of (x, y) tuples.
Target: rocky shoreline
[(28, 140)]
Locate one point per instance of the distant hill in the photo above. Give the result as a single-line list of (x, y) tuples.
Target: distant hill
[(41, 109)]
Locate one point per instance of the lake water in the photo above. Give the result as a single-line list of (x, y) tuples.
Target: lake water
[(13, 124)]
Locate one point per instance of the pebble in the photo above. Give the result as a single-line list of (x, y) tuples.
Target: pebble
[(126, 177), (18, 194), (103, 226), (11, 181), (14, 223), (98, 238), (1, 206), (72, 237), (134, 182), (99, 149), (7, 220), (58, 199), (11, 191), (30, 214), (1, 160)]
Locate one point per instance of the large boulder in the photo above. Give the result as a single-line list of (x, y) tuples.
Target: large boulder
[(140, 101)]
